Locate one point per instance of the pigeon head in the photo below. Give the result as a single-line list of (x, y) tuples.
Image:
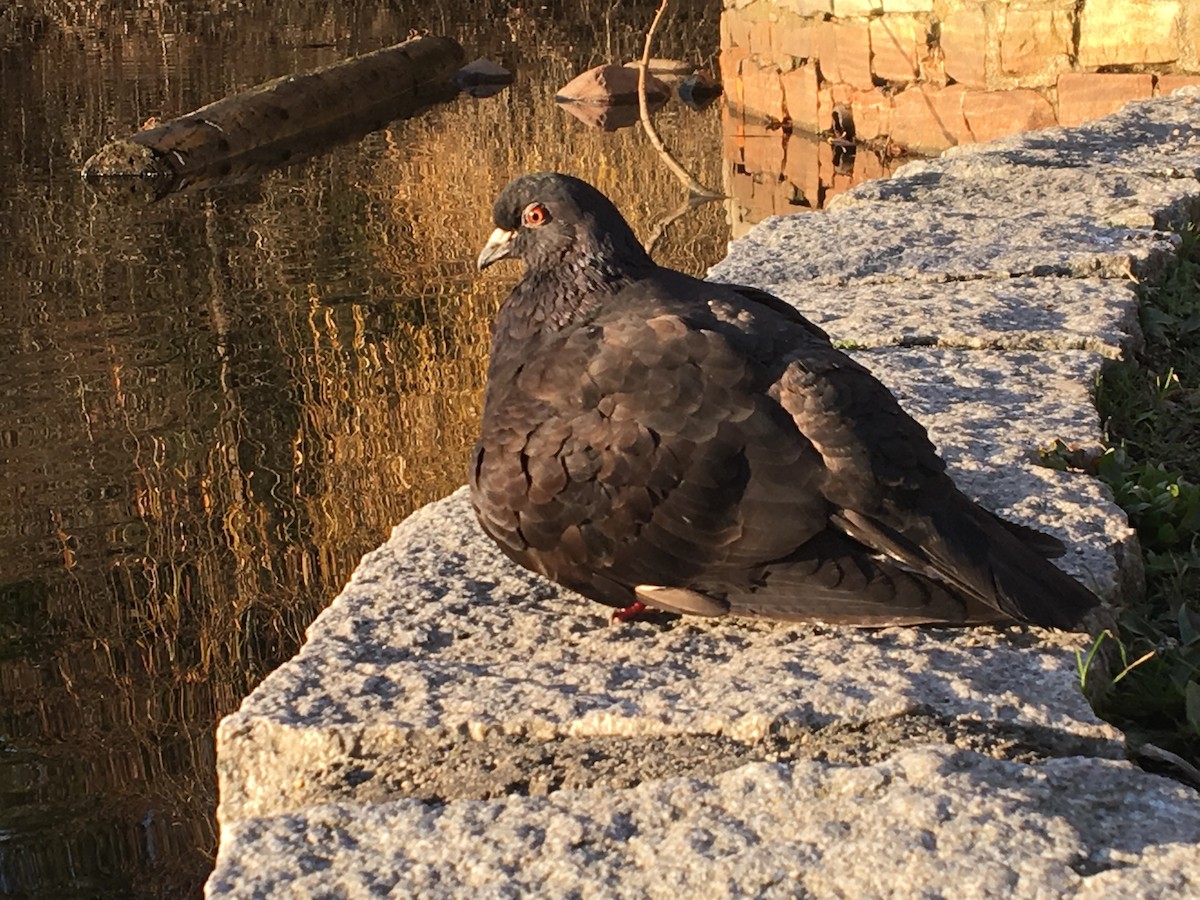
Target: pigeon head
[(549, 220)]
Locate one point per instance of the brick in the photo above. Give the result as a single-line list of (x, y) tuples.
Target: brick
[(825, 103), (829, 97), (808, 7), (800, 97), (964, 46), (930, 119), (1128, 32), (863, 8), (1083, 96), (844, 52), (795, 37), (730, 64), (762, 91), (933, 69), (762, 40), (1190, 35), (898, 43), (872, 114), (991, 114), (1169, 83), (735, 29), (907, 6), (1037, 43)]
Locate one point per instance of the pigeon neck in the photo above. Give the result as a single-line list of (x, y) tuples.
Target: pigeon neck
[(567, 295)]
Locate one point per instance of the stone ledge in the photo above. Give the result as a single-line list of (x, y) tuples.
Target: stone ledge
[(748, 757), (928, 821), (439, 637)]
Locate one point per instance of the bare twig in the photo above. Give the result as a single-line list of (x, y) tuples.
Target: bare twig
[(694, 187), (660, 229)]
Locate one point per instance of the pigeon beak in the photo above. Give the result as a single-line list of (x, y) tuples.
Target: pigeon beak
[(498, 247)]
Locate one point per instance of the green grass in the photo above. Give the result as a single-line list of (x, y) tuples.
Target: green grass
[(1150, 407)]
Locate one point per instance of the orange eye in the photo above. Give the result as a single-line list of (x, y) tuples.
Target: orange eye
[(535, 214)]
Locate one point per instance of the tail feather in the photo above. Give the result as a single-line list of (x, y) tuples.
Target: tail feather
[(1040, 542), (834, 579), (987, 557)]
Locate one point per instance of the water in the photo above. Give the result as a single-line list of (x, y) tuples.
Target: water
[(212, 405)]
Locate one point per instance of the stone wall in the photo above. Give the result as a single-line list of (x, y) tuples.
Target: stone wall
[(923, 75), (929, 74)]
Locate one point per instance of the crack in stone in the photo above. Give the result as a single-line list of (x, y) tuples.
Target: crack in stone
[(448, 768)]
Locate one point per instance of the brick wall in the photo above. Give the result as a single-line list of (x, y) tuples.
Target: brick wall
[(927, 74)]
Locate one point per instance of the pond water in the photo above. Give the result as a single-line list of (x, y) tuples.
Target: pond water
[(212, 405)]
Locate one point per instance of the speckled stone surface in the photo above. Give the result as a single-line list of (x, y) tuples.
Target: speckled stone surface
[(455, 725), (439, 636), (929, 821)]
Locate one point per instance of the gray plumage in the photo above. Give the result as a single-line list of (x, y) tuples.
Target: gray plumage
[(702, 448)]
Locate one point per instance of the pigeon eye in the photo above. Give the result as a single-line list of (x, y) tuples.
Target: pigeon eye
[(535, 214)]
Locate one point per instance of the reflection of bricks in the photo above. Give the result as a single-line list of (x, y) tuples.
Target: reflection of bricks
[(762, 92), (991, 114), (1128, 32), (740, 188), (833, 181), (928, 119), (800, 97), (844, 52), (1083, 96), (732, 134), (763, 152), (755, 196), (872, 114), (1037, 41), (800, 167), (897, 45), (1169, 83), (868, 167), (964, 46)]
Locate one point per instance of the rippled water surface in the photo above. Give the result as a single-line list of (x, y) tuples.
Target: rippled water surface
[(212, 405)]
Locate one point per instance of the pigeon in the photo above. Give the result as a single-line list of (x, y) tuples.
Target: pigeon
[(662, 444)]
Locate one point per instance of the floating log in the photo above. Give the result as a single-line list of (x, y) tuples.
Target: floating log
[(288, 118)]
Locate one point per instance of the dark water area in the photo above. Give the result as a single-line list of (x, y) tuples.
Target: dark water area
[(212, 405)]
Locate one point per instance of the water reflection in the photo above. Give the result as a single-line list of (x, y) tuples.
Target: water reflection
[(212, 405)]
